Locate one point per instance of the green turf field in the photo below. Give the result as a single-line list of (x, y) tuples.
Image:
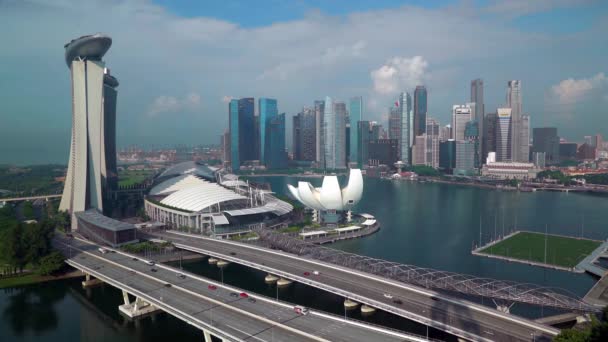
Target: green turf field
[(561, 251), (133, 177)]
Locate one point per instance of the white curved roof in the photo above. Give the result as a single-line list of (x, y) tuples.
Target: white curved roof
[(198, 197), (175, 184), (189, 167), (329, 196)]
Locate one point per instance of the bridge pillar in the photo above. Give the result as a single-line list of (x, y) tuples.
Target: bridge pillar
[(271, 279), (367, 310), (136, 309), (503, 308), (90, 281), (283, 282), (212, 261), (349, 304), (222, 263)]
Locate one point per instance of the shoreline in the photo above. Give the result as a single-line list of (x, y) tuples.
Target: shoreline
[(32, 278)]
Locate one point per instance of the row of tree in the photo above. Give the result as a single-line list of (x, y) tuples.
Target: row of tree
[(596, 331)]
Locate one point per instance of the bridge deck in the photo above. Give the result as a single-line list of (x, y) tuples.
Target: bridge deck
[(230, 317), (454, 316)]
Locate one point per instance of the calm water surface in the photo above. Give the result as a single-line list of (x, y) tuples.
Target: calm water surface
[(429, 225)]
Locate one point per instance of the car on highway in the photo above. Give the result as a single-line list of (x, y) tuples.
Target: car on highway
[(397, 301), (180, 276), (389, 296), (134, 259), (149, 262), (232, 253), (212, 287), (243, 295), (301, 310), (102, 250), (168, 285), (153, 270), (316, 272), (306, 273), (233, 294), (252, 300), (434, 298)]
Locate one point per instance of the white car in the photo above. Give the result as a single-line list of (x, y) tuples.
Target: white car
[(151, 263), (315, 272), (386, 295), (300, 310), (103, 250)]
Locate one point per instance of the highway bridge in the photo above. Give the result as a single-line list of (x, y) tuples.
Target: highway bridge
[(29, 198), (219, 310), (455, 316)]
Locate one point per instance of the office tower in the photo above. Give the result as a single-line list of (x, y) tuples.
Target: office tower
[(419, 150), (383, 152), (268, 110), (91, 174), (247, 132), (376, 131), (233, 124), (364, 135), (319, 107), (276, 154), (432, 142), (567, 151), (524, 134), (586, 152), (514, 102), (479, 113), (394, 123), (504, 135), (546, 140), (355, 115), (471, 134), (420, 109), (304, 135), (461, 114), (465, 158), (539, 159), (407, 123), (340, 114), (445, 133), (594, 141), (226, 147), (447, 155), (489, 134)]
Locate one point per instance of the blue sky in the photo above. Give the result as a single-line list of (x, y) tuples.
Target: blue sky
[(178, 62)]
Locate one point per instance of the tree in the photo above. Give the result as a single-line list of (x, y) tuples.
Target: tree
[(571, 335), (12, 248), (50, 263)]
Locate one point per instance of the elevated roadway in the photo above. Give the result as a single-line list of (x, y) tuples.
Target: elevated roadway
[(213, 307), (458, 317), (29, 198)]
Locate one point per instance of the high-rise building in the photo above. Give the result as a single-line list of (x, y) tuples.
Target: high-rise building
[(91, 174), (233, 125), (420, 109), (355, 115), (447, 155), (376, 131), (546, 140), (226, 147), (276, 154), (477, 98), (341, 114), (445, 133), (419, 150), (267, 111), (407, 125), (247, 132), (466, 155), (319, 108), (304, 135), (489, 134), (432, 142), (461, 114), (524, 133), (514, 101), (567, 151), (504, 135), (471, 133), (363, 137), (394, 123), (383, 152)]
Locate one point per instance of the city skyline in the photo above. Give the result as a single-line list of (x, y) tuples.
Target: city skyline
[(565, 93)]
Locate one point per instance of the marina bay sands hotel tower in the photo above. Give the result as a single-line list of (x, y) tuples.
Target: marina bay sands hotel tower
[(92, 166)]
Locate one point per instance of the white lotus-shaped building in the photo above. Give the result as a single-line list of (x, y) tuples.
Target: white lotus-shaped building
[(329, 196)]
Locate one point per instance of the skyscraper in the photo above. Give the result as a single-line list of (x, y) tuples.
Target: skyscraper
[(233, 124), (419, 150), (319, 108), (432, 142), (355, 115), (407, 123), (504, 135), (268, 110), (461, 114), (304, 135), (247, 131), (329, 133), (546, 140), (477, 97), (514, 102), (420, 109), (524, 134), (276, 155), (91, 171), (339, 154), (363, 137), (489, 134)]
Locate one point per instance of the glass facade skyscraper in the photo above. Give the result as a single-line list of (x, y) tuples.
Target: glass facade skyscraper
[(407, 123), (247, 135), (276, 155), (356, 115), (233, 123), (420, 109), (268, 110)]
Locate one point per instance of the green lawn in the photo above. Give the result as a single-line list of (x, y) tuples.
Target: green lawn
[(19, 280), (561, 251)]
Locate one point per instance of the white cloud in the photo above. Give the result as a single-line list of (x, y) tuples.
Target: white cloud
[(516, 8), (571, 90), (171, 104), (226, 99), (399, 74)]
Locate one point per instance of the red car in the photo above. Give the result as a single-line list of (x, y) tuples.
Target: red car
[(243, 295), (307, 273), (212, 287)]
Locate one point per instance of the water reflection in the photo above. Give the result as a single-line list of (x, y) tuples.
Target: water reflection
[(32, 308)]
